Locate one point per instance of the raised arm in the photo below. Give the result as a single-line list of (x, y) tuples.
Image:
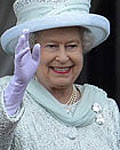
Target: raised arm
[(26, 64)]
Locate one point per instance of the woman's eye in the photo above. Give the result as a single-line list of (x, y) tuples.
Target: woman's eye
[(51, 46), (71, 46)]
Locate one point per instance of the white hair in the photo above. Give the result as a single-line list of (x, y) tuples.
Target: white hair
[(86, 39)]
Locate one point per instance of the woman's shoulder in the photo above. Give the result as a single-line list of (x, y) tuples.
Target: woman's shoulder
[(92, 89), (98, 90), (89, 86)]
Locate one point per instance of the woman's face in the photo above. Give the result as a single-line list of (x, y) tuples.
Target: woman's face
[(61, 57)]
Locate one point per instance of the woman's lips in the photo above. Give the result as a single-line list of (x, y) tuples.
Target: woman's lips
[(61, 70)]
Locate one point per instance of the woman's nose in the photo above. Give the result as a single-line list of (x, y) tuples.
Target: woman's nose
[(62, 55)]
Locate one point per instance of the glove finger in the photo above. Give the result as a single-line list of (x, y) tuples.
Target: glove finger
[(36, 53), (26, 33), (20, 45), (22, 54)]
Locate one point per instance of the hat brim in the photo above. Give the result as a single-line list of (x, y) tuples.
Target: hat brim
[(98, 25)]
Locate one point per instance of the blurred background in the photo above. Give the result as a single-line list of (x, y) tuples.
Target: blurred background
[(101, 65)]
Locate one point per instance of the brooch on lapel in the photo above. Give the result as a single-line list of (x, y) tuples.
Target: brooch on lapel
[(99, 115)]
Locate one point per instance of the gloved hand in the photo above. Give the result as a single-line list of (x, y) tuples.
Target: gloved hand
[(26, 64)]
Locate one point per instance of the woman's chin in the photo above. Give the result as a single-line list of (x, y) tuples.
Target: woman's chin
[(60, 83)]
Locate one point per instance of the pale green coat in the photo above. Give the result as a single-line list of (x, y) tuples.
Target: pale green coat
[(36, 128)]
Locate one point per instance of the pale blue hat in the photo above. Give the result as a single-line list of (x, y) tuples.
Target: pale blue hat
[(37, 15)]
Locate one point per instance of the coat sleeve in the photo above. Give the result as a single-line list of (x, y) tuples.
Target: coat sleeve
[(114, 124), (7, 123)]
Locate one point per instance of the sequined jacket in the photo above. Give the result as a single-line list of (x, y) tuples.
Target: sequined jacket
[(33, 128)]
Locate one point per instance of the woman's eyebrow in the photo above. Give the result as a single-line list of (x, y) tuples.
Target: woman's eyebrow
[(73, 41)]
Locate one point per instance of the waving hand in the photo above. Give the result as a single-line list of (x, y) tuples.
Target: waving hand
[(26, 63)]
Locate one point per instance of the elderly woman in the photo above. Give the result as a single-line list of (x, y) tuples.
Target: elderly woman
[(41, 108)]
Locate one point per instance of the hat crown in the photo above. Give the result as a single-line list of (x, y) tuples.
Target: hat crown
[(27, 10), (38, 15)]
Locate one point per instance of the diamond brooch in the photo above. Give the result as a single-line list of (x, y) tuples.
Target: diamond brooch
[(99, 116)]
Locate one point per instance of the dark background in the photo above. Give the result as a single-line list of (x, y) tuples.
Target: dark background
[(102, 64)]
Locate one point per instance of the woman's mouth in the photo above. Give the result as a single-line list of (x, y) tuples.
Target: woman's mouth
[(61, 70)]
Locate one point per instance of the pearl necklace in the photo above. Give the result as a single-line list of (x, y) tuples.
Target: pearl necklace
[(74, 97), (71, 104)]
